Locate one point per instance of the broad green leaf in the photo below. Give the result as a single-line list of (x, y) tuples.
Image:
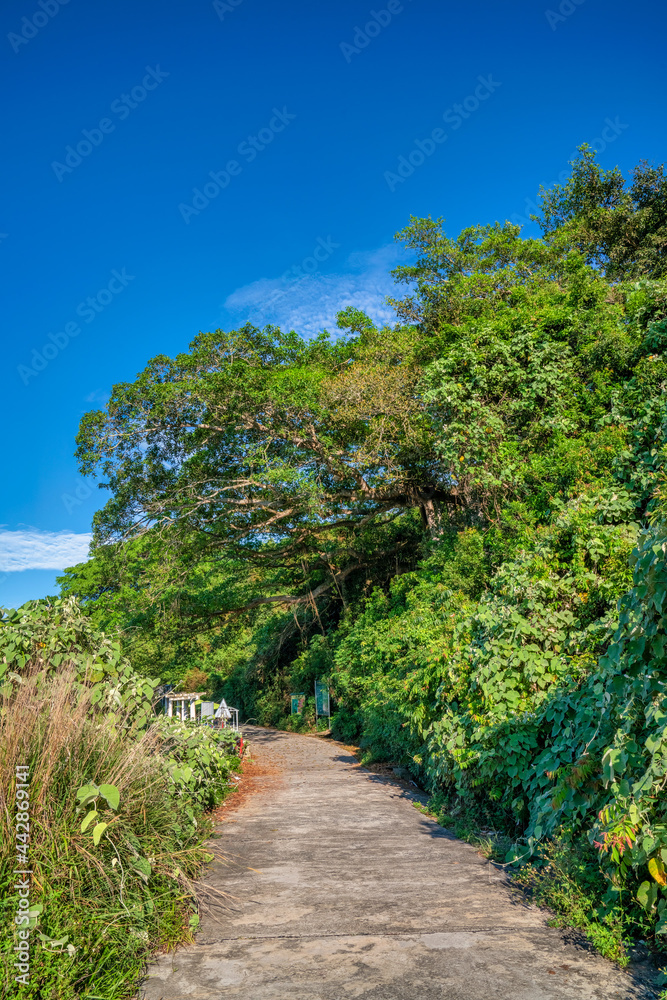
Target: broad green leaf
[(87, 793), (643, 894), (88, 820), (648, 844), (111, 794), (98, 831)]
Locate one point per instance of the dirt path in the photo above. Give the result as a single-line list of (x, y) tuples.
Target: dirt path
[(340, 888)]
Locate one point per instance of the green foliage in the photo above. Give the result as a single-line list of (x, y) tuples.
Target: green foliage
[(282, 453), (195, 679), (114, 807), (52, 636), (200, 762), (87, 796), (458, 521), (621, 229)]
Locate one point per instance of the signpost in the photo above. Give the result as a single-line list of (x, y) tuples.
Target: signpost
[(322, 702)]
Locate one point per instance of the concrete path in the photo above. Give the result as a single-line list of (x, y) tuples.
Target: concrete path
[(341, 888)]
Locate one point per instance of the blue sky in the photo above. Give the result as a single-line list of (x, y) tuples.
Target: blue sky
[(171, 167)]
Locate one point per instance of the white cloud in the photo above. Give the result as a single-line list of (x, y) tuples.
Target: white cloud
[(309, 304), (30, 548)]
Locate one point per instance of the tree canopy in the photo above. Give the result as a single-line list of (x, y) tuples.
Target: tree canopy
[(311, 459), (621, 229)]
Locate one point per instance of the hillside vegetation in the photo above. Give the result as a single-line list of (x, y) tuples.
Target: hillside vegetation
[(459, 520)]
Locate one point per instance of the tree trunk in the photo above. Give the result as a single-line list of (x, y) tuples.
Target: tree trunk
[(430, 518)]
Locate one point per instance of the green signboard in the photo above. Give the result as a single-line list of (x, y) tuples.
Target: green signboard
[(321, 698), (298, 701)]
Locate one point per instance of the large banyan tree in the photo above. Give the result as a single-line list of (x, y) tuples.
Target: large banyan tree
[(299, 463)]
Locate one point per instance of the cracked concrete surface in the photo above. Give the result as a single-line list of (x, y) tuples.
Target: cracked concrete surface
[(338, 887)]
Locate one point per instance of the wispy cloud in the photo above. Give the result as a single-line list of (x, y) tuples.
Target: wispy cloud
[(30, 548), (310, 303), (99, 396)]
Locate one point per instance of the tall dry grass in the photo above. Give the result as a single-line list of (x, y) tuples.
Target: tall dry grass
[(107, 904)]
